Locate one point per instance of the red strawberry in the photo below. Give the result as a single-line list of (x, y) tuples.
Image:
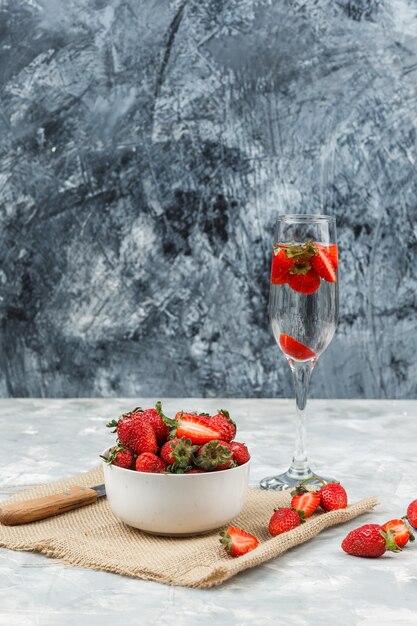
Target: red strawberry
[(178, 453), (333, 254), (225, 425), (283, 520), (195, 470), (198, 428), (400, 530), (295, 349), (240, 452), (333, 496), (120, 456), (303, 278), (323, 264), (331, 251), (137, 435), (412, 513), (237, 541), (305, 502), (123, 425), (144, 439), (148, 462), (280, 266), (369, 541), (215, 455), (155, 418)]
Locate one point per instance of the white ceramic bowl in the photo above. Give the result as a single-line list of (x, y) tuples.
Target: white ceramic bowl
[(176, 504)]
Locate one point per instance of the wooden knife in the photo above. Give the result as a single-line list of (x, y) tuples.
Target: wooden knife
[(48, 506)]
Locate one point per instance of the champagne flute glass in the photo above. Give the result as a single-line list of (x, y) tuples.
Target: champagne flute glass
[(303, 309)]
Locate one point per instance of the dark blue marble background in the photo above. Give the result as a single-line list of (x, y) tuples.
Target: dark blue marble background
[(145, 148)]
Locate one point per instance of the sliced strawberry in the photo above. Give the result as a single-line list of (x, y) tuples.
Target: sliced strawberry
[(305, 502), (295, 349), (280, 266), (303, 278), (402, 534), (198, 428), (333, 253), (323, 264), (237, 541)]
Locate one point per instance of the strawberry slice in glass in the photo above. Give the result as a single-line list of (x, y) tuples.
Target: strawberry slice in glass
[(295, 349), (280, 266), (333, 253), (324, 262)]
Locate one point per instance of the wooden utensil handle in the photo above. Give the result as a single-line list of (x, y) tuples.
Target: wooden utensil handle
[(47, 506)]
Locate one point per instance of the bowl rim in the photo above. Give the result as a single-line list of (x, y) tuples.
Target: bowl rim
[(212, 473)]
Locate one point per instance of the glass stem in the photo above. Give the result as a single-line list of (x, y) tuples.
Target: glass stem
[(301, 373)]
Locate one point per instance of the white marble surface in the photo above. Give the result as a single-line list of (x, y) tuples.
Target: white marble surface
[(369, 445)]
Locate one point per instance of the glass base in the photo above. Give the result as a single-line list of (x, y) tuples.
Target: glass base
[(291, 478)]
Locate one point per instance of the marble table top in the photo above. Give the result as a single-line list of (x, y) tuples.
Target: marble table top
[(369, 445)]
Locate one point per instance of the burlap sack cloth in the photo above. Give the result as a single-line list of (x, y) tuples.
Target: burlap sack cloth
[(93, 537)]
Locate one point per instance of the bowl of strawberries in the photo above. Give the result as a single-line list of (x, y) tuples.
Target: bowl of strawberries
[(178, 476)]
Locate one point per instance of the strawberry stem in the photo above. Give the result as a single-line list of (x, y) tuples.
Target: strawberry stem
[(390, 543), (113, 424), (158, 409), (311, 478), (407, 523), (300, 515), (299, 490), (172, 424)]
